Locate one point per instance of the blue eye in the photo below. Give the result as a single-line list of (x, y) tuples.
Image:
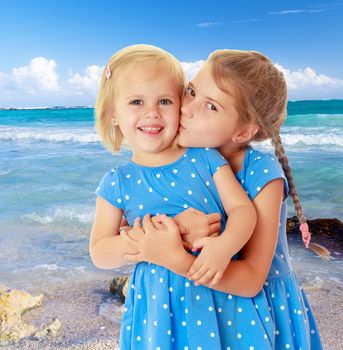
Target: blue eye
[(211, 106), (136, 102), (190, 91), (166, 101)]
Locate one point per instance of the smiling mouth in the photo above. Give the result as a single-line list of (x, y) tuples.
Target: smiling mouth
[(150, 129)]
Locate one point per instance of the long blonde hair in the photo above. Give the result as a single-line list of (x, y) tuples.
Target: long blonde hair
[(261, 99), (162, 61)]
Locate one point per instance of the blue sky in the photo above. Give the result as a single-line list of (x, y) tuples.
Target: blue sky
[(52, 52)]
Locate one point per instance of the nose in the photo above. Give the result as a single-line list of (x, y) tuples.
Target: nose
[(152, 112), (186, 110)]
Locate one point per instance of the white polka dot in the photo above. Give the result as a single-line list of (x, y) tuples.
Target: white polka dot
[(220, 309), (251, 348), (282, 307), (140, 206), (282, 256), (256, 306), (299, 312), (175, 171), (113, 183), (229, 296), (158, 348), (184, 323), (277, 332), (144, 321), (128, 328), (132, 286), (265, 336), (182, 298), (139, 296), (186, 311), (189, 192), (273, 295), (252, 172), (185, 206), (212, 334), (239, 309), (169, 332), (165, 306), (253, 323), (207, 183), (172, 184), (266, 283), (119, 200), (210, 308), (287, 295), (161, 280), (193, 160), (128, 176), (193, 175), (258, 188), (171, 315), (312, 331), (165, 199), (139, 182), (170, 289), (205, 200), (153, 296), (199, 348), (277, 272), (266, 171), (125, 309), (173, 340), (272, 158), (287, 346), (155, 323), (199, 323), (239, 335), (242, 181), (197, 297), (267, 319), (229, 323), (127, 197), (150, 189), (153, 270), (138, 338), (185, 348)]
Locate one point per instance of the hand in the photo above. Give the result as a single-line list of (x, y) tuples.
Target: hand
[(159, 241), (196, 224), (130, 238), (210, 265)]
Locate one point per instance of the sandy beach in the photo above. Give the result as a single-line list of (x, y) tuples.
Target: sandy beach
[(77, 307)]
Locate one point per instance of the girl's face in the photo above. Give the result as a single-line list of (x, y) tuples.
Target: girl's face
[(208, 115), (147, 110)]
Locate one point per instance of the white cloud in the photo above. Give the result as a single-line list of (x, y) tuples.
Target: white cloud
[(191, 68), (308, 79), (37, 77), (87, 83), (207, 24), (286, 12)]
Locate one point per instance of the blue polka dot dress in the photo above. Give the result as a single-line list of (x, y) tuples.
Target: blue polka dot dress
[(166, 311), (295, 327)]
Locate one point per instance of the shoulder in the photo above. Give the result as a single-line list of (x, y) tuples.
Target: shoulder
[(260, 169)]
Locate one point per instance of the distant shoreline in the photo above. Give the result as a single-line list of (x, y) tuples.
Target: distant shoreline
[(92, 106)]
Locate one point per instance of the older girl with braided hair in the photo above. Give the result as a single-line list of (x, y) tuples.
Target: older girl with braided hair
[(238, 97)]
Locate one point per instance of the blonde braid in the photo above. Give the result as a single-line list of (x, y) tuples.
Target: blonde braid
[(283, 159)]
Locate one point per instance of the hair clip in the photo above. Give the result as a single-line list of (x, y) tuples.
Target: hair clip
[(107, 72)]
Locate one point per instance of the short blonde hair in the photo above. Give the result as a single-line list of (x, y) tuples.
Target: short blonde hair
[(163, 62)]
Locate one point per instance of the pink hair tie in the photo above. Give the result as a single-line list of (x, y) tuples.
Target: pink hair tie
[(107, 72), (306, 234)]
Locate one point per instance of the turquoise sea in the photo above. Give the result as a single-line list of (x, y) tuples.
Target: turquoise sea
[(51, 161)]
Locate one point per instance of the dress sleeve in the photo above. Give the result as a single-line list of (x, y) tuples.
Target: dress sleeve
[(109, 189), (262, 170), (214, 159)]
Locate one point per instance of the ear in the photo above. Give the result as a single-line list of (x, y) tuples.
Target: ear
[(245, 133)]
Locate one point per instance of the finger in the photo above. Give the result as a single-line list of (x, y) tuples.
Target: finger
[(195, 211), (183, 230), (186, 245), (147, 223), (195, 267), (168, 222), (217, 277), (200, 273), (127, 237), (215, 227), (199, 243), (133, 257), (137, 223), (205, 278), (216, 234), (213, 218)]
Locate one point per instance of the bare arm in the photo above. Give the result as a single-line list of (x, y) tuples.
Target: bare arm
[(245, 277), (106, 246)]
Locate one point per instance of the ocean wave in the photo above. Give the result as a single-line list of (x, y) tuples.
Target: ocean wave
[(79, 135), (83, 215)]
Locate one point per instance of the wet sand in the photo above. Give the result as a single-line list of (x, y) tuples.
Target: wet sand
[(77, 307)]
